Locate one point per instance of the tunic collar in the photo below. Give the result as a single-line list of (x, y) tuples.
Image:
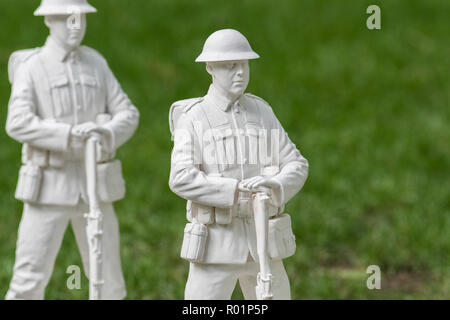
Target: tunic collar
[(56, 51), (220, 100)]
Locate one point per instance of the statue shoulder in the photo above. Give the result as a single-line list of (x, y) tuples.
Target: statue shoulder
[(261, 104), (92, 54), (18, 59), (251, 96), (189, 104), (179, 107)]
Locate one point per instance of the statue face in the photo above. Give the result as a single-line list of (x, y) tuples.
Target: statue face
[(68, 30), (231, 77)]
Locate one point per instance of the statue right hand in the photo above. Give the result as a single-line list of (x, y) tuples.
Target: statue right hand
[(83, 130)]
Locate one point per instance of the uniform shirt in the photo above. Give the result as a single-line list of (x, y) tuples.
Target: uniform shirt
[(53, 90), (218, 143)]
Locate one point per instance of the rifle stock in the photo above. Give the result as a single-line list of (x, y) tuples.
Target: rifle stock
[(261, 217)]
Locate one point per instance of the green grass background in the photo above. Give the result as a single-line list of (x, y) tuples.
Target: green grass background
[(368, 109)]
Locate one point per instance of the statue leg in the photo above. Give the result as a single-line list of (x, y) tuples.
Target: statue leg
[(40, 235), (211, 281)]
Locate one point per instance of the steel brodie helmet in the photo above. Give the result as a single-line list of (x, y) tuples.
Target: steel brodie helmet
[(226, 45), (63, 7)]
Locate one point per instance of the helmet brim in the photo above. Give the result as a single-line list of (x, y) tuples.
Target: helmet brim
[(220, 56), (63, 10)]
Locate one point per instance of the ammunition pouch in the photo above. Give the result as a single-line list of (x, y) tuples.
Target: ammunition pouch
[(110, 182), (29, 183), (54, 159), (244, 207), (206, 214), (281, 239), (194, 242)]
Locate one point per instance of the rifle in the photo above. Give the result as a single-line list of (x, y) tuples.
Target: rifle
[(94, 228), (260, 200)]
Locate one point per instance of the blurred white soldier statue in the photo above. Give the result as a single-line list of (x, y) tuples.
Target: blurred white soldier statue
[(62, 93), (228, 145)]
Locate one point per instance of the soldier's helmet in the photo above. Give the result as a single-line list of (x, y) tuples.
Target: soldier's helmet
[(226, 45), (63, 7)]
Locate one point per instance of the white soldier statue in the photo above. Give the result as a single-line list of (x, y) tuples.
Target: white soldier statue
[(62, 95), (230, 154)]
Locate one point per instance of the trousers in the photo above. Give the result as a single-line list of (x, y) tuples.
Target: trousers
[(40, 235), (217, 281)]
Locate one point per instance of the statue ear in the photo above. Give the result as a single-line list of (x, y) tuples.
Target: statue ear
[(47, 21), (209, 68)]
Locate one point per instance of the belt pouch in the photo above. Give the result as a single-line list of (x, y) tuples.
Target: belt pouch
[(223, 215), (281, 240), (194, 242), (29, 184)]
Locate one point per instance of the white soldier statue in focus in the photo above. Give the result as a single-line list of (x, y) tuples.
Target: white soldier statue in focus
[(67, 105), (237, 168)]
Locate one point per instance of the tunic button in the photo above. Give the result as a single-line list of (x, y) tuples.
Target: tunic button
[(78, 107)]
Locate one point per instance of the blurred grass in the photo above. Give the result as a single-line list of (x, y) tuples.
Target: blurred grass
[(368, 109)]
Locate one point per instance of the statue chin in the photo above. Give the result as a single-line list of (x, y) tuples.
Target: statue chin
[(237, 92), (73, 43)]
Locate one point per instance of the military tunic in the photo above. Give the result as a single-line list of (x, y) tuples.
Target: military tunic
[(216, 145), (53, 90)]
